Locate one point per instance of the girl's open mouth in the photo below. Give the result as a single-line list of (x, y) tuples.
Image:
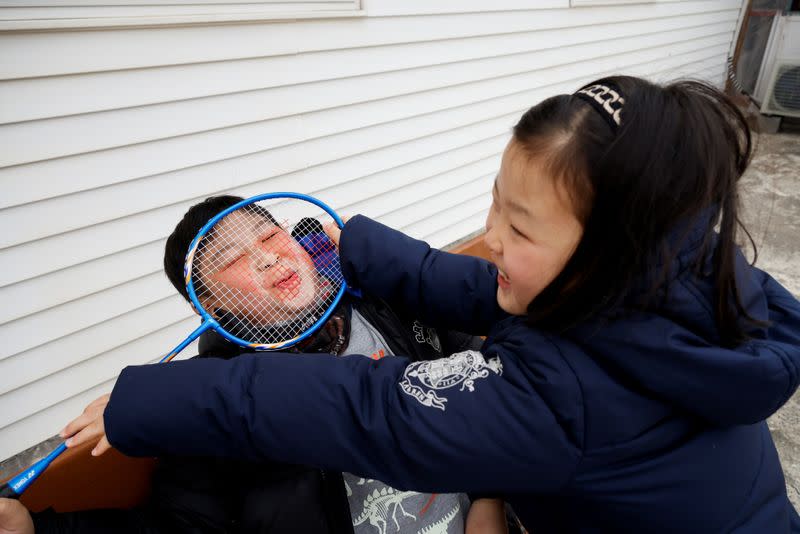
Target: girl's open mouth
[(502, 280)]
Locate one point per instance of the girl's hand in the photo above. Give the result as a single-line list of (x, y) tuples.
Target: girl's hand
[(89, 426), (334, 232), (14, 518)]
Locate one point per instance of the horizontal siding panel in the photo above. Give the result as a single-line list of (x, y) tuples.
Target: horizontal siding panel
[(30, 54), (85, 312), (383, 8), (85, 244), (46, 423), (32, 220), (64, 285), (436, 153), (458, 230), (28, 332), (451, 212), (425, 7), (397, 208), (43, 97), (350, 197), (41, 394), (18, 330), (431, 202), (87, 9), (101, 131), (48, 358), (28, 183)]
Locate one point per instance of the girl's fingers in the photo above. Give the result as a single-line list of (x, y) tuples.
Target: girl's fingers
[(90, 413), (102, 400), (90, 432), (76, 425), (101, 447), (334, 232)]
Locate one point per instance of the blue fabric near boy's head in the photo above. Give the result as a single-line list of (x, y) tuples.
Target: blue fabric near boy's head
[(311, 236), (323, 254)]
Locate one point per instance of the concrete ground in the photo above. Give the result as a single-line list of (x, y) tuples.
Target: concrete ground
[(771, 212)]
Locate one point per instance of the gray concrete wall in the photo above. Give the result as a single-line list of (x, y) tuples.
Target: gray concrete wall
[(771, 212)]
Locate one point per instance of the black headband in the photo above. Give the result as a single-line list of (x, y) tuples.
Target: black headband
[(606, 99)]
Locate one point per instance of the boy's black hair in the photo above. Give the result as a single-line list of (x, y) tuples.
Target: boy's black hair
[(178, 242), (670, 168)]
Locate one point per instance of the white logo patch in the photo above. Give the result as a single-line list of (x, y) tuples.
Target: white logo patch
[(422, 380), (424, 334)]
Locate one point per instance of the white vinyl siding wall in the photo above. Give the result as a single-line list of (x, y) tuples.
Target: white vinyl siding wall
[(401, 113)]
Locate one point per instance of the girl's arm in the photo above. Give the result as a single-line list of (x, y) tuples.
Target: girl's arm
[(464, 423), (446, 290)]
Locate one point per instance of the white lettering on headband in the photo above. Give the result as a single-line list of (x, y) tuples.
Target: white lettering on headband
[(604, 99)]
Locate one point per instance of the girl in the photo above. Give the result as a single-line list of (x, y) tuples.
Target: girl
[(631, 356)]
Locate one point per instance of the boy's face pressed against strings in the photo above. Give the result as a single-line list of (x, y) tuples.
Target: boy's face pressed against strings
[(531, 229), (255, 269)]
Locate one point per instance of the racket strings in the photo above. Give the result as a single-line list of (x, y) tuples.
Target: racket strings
[(267, 282)]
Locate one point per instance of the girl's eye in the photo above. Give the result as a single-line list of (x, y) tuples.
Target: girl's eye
[(269, 236), (517, 232)]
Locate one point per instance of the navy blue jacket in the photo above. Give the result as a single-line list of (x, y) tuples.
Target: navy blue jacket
[(640, 424)]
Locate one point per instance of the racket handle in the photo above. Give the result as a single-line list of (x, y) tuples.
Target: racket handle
[(18, 484), (6, 492)]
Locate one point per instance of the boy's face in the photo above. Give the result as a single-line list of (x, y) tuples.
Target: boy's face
[(255, 269), (531, 229)]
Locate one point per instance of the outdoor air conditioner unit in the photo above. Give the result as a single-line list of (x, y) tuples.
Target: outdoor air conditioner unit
[(778, 86)]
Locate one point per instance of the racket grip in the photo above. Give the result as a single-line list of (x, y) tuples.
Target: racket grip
[(18, 484), (7, 492)]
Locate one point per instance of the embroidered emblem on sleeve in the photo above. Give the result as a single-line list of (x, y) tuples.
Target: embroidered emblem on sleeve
[(422, 380)]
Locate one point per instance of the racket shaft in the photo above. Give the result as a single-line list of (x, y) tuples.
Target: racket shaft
[(185, 343), (18, 484)]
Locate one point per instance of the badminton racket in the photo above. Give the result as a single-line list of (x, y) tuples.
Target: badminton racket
[(262, 273)]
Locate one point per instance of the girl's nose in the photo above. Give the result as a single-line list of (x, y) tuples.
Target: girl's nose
[(492, 242)]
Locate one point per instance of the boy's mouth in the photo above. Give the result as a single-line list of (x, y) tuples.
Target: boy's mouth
[(290, 281)]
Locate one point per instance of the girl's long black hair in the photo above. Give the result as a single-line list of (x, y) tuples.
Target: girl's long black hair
[(640, 190)]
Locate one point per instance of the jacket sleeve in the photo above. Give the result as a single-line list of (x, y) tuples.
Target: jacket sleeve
[(446, 290), (463, 423)]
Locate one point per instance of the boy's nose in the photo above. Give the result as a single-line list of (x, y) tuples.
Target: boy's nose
[(264, 260)]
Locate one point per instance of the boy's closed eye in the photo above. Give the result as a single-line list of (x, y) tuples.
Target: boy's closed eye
[(269, 236)]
